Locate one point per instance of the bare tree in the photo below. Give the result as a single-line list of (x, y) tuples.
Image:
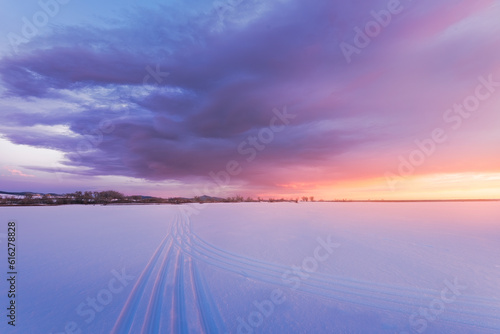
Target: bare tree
[(88, 197), (28, 199)]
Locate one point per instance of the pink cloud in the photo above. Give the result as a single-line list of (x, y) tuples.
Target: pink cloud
[(18, 172)]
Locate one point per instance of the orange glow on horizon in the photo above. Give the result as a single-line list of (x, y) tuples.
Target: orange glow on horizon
[(418, 187)]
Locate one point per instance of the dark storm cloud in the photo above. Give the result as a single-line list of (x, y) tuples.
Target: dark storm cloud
[(221, 88)]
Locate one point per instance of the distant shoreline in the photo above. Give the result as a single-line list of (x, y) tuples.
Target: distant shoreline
[(263, 201)]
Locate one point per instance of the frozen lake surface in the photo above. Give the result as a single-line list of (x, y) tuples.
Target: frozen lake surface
[(257, 268)]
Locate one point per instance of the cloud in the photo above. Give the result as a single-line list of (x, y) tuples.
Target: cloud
[(226, 78), (16, 172)]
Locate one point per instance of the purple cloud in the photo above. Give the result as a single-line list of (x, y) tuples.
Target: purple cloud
[(222, 87)]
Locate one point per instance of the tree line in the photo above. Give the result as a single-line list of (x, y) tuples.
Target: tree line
[(78, 197), (115, 197)]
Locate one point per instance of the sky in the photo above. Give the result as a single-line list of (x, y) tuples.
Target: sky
[(276, 98)]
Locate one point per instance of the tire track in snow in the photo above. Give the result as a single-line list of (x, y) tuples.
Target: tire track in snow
[(273, 278), (329, 291), (154, 311), (212, 321), (278, 268), (209, 315), (207, 312), (181, 248), (268, 272), (364, 285), (126, 317), (181, 324)]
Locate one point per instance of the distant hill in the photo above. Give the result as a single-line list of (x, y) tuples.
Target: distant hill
[(206, 198), (24, 193)]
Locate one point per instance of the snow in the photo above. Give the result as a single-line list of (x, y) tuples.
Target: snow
[(257, 268)]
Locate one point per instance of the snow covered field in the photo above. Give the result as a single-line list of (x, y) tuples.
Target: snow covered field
[(256, 268)]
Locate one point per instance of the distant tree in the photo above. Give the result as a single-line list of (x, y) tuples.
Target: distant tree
[(305, 198), (46, 199), (136, 198), (97, 197), (78, 197), (28, 199), (109, 196), (88, 197), (311, 198)]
